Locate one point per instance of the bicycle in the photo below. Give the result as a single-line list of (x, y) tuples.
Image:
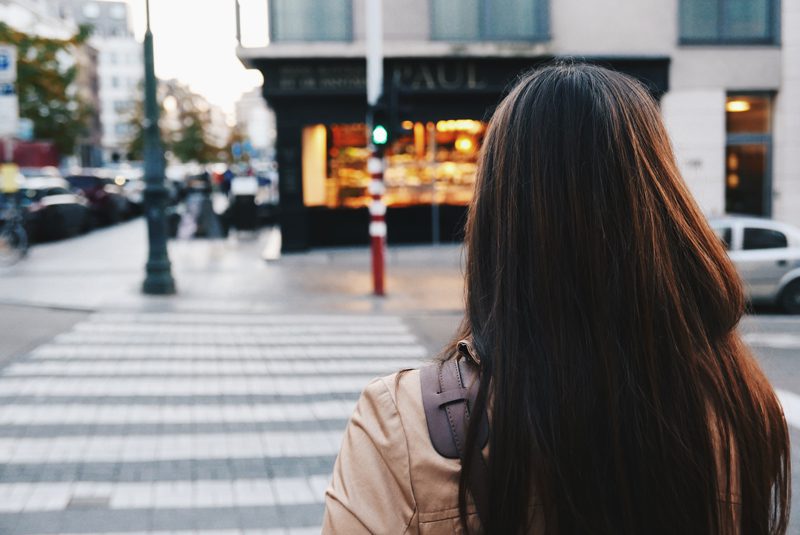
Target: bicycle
[(13, 237)]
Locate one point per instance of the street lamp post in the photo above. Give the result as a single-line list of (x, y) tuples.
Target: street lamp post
[(158, 279)]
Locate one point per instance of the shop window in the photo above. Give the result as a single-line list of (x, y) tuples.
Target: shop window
[(728, 21), (429, 163), (748, 184), (763, 238), (310, 20), (489, 20)]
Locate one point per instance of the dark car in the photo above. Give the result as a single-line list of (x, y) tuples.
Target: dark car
[(52, 211), (107, 200)]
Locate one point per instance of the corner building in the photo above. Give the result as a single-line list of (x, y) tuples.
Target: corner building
[(726, 74)]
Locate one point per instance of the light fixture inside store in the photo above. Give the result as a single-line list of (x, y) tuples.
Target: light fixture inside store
[(464, 144), (460, 125), (734, 106), (733, 181)]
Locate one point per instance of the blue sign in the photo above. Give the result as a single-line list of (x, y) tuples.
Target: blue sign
[(5, 61), (7, 89), (236, 149), (25, 129)]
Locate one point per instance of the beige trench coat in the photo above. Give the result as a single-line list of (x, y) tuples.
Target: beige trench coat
[(388, 478)]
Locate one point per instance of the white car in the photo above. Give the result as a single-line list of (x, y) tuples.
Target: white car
[(767, 255)]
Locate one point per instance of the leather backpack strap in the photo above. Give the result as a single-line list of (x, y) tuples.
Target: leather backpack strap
[(449, 390)]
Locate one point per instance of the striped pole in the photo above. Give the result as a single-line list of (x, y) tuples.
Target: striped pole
[(377, 224)]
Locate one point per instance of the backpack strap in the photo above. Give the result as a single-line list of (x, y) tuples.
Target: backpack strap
[(449, 390)]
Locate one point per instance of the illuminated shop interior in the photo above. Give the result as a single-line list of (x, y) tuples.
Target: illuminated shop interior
[(428, 163)]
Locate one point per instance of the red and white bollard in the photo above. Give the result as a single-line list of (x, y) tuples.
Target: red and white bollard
[(377, 224)]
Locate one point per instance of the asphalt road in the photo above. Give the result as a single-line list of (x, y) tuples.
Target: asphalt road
[(97, 382)]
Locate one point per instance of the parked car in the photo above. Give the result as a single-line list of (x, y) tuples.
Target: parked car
[(107, 201), (767, 255), (52, 211)]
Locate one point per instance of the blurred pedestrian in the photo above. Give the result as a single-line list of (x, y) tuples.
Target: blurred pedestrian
[(601, 315)]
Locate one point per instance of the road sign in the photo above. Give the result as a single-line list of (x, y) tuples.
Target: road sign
[(9, 114), (8, 64), (25, 129)]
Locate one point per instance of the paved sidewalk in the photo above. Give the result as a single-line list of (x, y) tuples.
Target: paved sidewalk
[(104, 270)]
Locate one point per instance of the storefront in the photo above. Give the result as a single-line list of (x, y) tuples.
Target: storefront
[(441, 106)]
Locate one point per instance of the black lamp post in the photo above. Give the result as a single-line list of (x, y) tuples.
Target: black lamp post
[(158, 279)]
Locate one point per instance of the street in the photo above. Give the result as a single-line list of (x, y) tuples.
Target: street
[(219, 410)]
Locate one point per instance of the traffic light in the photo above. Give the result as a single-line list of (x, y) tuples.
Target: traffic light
[(380, 134)]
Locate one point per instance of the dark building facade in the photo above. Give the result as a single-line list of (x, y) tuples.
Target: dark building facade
[(448, 63)]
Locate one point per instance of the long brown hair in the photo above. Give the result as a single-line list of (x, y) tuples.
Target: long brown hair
[(604, 310)]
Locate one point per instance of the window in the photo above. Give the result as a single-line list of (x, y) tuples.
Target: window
[(91, 11), (763, 238), (118, 11), (748, 182), (122, 129), (489, 20), (310, 20), (123, 106), (725, 236), (728, 21)]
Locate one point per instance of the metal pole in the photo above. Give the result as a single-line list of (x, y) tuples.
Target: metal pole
[(377, 209), (8, 149), (238, 24), (158, 279)]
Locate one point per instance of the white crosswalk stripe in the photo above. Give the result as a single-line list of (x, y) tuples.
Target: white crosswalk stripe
[(145, 389), (167, 447), (115, 351), (86, 414), (773, 340), (181, 386), (165, 494), (84, 337), (215, 368)]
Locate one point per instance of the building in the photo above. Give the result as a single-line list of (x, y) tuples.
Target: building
[(256, 121), (726, 72), (89, 150), (43, 19), (120, 67), (36, 17)]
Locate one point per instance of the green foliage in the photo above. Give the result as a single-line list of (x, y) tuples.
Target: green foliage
[(46, 87), (186, 137), (236, 136), (189, 143)]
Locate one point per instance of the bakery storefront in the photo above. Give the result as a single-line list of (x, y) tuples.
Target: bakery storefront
[(441, 107)]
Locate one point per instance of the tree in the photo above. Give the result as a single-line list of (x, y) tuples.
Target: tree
[(46, 86), (189, 143), (136, 124), (236, 137), (184, 125)]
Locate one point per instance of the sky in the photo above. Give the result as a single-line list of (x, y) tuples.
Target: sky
[(195, 42)]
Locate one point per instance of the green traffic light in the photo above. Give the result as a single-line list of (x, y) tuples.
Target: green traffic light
[(379, 135)]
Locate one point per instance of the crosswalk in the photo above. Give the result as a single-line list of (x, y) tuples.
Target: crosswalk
[(186, 422)]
